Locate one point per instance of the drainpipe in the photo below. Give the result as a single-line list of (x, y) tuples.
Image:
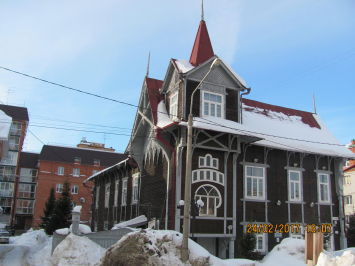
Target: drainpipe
[(162, 140), (241, 104)]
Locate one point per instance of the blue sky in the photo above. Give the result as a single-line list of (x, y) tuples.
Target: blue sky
[(284, 50)]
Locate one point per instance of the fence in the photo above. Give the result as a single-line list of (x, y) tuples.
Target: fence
[(104, 238)]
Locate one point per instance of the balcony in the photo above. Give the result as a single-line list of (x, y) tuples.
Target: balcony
[(5, 177), (28, 179), (10, 161)]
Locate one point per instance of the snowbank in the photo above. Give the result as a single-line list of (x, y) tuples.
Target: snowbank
[(328, 259), (76, 250), (84, 229)]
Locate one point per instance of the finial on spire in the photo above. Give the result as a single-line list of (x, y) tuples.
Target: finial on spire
[(148, 66), (202, 16)]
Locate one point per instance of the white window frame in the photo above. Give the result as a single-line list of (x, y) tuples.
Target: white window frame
[(263, 178), (208, 188), (209, 175), (124, 192), (294, 183), (347, 163), (262, 237), (59, 188), (202, 161), (348, 200), (97, 197), (60, 170), (115, 200), (347, 180), (209, 102), (107, 195), (299, 235), (76, 170), (174, 105), (320, 184), (134, 189), (95, 172), (74, 189), (106, 225)]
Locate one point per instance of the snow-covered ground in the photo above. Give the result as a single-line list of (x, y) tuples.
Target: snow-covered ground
[(156, 246)]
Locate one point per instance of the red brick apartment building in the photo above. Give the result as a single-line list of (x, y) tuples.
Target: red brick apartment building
[(10, 157), (57, 163)]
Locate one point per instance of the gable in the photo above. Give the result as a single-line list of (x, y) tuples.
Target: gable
[(220, 76)]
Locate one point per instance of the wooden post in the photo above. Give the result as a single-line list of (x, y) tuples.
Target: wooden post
[(313, 248)]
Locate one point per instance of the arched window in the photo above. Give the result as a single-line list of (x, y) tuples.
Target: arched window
[(211, 198)]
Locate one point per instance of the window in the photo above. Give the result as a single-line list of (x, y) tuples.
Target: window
[(95, 172), (115, 201), (11, 158), (348, 200), (347, 163), (294, 183), (208, 161), (260, 243), (6, 204), (95, 226), (107, 195), (14, 143), (347, 180), (174, 105), (73, 204), (60, 170), (207, 175), (26, 191), (15, 128), (106, 225), (8, 173), (135, 189), (323, 188), (76, 172), (97, 162), (6, 189), (124, 192), (212, 104), (211, 198), (255, 179), (297, 234), (59, 188), (74, 189), (77, 160), (24, 206), (97, 197)]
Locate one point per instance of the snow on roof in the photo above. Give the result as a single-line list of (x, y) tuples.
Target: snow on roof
[(277, 130), (234, 73), (163, 118), (183, 65), (135, 221), (77, 208), (104, 170), (4, 126)]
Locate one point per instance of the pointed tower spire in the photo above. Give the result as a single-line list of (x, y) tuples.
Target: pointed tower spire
[(202, 50), (147, 75)]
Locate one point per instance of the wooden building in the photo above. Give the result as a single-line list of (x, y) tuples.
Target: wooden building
[(252, 164)]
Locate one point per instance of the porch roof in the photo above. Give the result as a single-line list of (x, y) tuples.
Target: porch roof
[(135, 222), (106, 170)]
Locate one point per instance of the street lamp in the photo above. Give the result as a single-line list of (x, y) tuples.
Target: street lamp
[(185, 237)]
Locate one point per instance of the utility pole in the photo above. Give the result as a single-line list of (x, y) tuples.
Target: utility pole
[(186, 227)]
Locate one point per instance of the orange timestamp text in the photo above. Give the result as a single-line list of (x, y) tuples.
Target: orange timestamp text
[(286, 228)]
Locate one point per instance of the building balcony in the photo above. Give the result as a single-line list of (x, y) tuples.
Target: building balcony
[(9, 178)]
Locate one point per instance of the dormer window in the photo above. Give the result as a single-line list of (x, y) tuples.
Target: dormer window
[(212, 104), (174, 105)]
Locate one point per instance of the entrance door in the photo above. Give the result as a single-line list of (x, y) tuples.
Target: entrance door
[(209, 243)]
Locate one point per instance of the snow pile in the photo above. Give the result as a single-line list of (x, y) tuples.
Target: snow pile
[(162, 116), (289, 252), (328, 259), (76, 250), (39, 244), (5, 124), (2, 226), (153, 247), (183, 65), (84, 229)]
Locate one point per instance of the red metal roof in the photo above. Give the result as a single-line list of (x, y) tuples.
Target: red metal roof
[(202, 50), (306, 117), (349, 168), (155, 97)]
